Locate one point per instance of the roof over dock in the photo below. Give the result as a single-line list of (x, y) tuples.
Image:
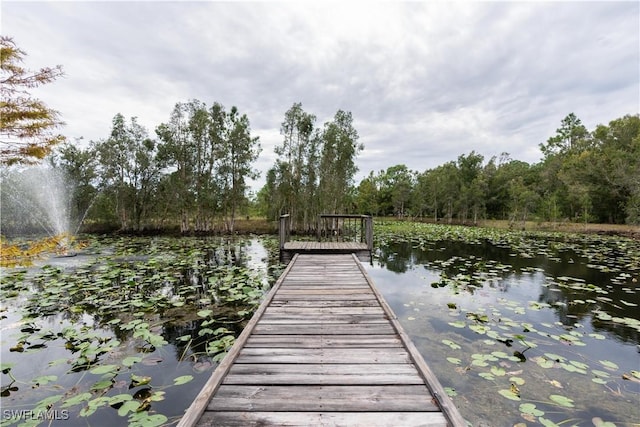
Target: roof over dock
[(324, 348)]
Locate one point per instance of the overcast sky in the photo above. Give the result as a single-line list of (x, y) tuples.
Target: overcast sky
[(425, 81)]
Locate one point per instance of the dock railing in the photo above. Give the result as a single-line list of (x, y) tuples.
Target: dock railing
[(284, 230), (346, 228), (334, 228)]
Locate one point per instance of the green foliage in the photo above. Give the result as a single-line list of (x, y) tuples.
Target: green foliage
[(26, 124), (583, 177)]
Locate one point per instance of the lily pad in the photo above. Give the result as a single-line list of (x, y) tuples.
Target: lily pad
[(182, 380), (509, 394), (530, 408), (562, 400)]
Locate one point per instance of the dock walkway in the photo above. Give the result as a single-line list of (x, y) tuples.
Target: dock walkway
[(324, 348)]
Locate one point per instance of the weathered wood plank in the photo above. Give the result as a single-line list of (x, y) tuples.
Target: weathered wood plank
[(322, 355), (311, 293), (372, 419), (319, 341), (314, 311), (330, 329), (323, 318), (379, 398), (324, 303), (333, 297), (323, 374)]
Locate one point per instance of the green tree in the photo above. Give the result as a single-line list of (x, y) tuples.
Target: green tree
[(367, 196), (296, 171), (396, 186), (473, 186), (178, 152), (239, 152), (27, 125), (615, 170), (340, 149), (570, 136), (129, 171)]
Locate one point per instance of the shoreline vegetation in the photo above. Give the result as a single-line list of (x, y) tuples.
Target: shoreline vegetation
[(263, 226), (29, 247), (260, 226)]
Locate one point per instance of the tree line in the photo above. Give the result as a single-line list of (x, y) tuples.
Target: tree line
[(314, 171), (194, 172), (584, 176)]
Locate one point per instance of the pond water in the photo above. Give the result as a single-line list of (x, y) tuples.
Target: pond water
[(127, 331), (523, 330)]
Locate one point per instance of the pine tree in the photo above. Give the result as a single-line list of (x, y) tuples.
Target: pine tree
[(27, 125)]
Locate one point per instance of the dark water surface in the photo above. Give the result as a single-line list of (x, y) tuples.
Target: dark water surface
[(127, 320), (547, 336), (541, 333)]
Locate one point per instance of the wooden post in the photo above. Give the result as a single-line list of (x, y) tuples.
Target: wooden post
[(369, 227), (283, 230)]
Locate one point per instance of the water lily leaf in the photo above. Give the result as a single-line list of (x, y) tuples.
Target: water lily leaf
[(47, 402), (76, 400), (454, 360), (145, 420), (498, 372), (101, 385), (138, 380), (458, 324), (599, 380), (182, 380), (129, 361), (562, 400), (205, 313), (500, 354), (119, 398), (609, 365), (480, 329), (547, 423), (599, 422), (597, 336), (579, 365), (543, 362), (509, 394), (517, 380), (487, 376), (451, 344), (104, 369), (555, 383), (530, 408), (451, 392), (44, 380), (601, 374), (128, 406)]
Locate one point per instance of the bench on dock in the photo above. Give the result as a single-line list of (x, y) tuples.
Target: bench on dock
[(324, 348)]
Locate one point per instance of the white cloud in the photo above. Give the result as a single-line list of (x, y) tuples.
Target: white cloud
[(425, 81)]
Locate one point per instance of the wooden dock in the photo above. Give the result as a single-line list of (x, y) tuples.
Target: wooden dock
[(324, 348), (336, 234)]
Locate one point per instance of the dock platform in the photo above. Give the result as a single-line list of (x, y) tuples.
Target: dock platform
[(324, 348)]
